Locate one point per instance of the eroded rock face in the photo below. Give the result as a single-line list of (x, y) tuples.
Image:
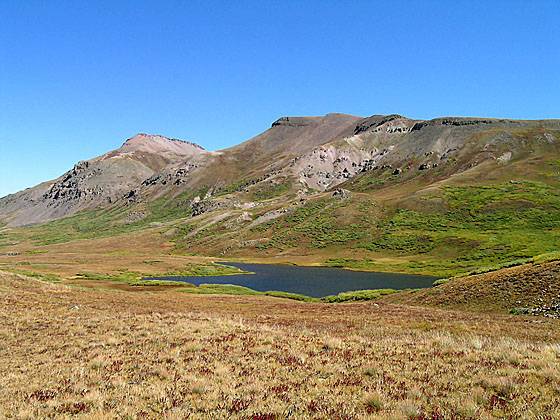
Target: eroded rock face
[(341, 193), (175, 176), (385, 123), (71, 185), (506, 157), (458, 121), (199, 206), (396, 143), (326, 167)]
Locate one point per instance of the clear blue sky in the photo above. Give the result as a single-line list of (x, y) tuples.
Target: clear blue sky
[(79, 77)]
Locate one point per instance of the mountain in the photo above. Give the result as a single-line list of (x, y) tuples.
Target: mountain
[(100, 181), (338, 188), (156, 164)]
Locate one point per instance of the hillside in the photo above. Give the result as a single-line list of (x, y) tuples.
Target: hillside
[(445, 196), (101, 181), (532, 288)]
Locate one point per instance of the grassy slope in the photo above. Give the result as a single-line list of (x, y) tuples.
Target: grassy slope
[(473, 227), (527, 286), (450, 220), (439, 222), (168, 354), (107, 222)]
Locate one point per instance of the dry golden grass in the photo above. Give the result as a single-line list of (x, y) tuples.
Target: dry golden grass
[(524, 286), (106, 353), (144, 252)]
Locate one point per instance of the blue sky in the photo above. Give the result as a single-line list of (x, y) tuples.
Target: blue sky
[(79, 77)]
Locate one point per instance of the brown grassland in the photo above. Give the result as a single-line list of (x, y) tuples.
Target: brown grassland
[(83, 335), (96, 348), (106, 353)]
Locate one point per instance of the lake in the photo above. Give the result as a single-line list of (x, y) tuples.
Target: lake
[(309, 281)]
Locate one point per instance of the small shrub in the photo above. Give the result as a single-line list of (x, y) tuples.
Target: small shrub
[(198, 389), (440, 282), (370, 372), (408, 409), (373, 403), (332, 343), (520, 311), (358, 295)]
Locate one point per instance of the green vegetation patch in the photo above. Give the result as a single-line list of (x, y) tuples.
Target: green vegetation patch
[(36, 251), (358, 295), (293, 296), (317, 223), (220, 289), (210, 269), (135, 278), (439, 282), (234, 187), (268, 190), (483, 228), (372, 180), (402, 242), (4, 240), (548, 257), (110, 222), (48, 277)]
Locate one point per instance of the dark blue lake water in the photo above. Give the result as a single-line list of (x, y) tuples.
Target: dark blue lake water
[(310, 281)]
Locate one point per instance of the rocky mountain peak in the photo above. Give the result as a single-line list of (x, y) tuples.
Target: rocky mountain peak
[(157, 144)]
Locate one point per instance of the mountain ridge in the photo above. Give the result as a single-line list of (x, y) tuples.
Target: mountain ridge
[(142, 139), (313, 153)]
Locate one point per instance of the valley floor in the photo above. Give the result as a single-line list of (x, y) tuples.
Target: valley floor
[(106, 353)]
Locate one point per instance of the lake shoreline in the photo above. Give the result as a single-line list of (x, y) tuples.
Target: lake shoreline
[(307, 281)]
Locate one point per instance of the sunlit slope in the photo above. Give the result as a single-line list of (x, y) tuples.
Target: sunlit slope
[(443, 197)]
